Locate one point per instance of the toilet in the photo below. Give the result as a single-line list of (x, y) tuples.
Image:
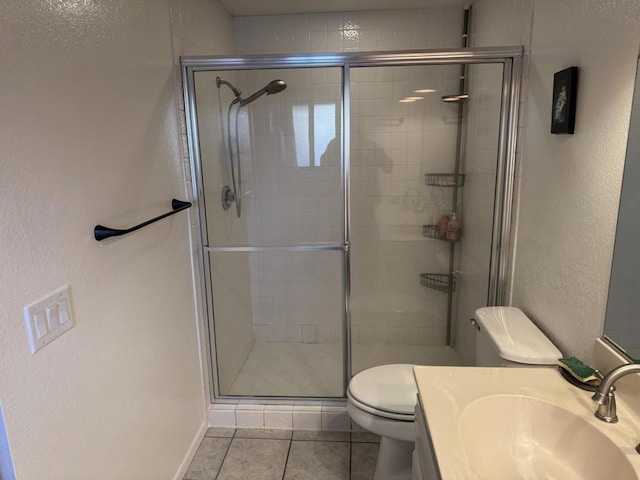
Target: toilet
[(382, 399)]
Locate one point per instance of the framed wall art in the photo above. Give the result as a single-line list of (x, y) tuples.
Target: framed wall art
[(563, 110)]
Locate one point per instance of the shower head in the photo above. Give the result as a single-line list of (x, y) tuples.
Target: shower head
[(220, 82), (274, 86)]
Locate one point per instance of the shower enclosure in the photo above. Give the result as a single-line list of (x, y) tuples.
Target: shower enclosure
[(318, 205)]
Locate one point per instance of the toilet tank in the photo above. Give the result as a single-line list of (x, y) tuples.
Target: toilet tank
[(506, 337)]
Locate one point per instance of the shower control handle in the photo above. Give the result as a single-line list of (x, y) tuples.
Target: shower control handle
[(227, 197)]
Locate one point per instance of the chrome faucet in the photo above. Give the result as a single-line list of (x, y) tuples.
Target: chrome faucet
[(605, 394)]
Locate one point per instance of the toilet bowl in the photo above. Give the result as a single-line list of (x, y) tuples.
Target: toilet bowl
[(382, 399)]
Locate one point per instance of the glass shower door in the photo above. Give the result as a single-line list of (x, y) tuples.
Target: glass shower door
[(418, 158), (276, 265)]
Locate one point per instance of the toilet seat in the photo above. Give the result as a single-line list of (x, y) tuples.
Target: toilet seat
[(387, 391)]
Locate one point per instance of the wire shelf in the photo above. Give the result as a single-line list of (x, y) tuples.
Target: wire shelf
[(444, 179), (431, 231), (441, 282)]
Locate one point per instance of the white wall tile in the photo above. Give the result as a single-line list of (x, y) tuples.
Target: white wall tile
[(278, 419), (222, 416), (250, 418), (307, 420)]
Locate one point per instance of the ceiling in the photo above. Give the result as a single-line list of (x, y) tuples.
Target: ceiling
[(239, 8)]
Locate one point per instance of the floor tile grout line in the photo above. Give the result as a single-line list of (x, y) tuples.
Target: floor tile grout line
[(268, 439), (350, 457), (224, 458), (286, 460)]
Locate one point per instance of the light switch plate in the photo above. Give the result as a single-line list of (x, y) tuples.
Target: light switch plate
[(48, 318)]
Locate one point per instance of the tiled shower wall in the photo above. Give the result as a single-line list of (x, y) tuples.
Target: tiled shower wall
[(350, 31), (292, 195), (393, 145)]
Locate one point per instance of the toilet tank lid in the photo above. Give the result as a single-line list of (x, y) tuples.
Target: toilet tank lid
[(515, 337)]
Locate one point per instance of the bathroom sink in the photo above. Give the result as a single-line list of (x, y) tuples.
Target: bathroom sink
[(522, 423), (515, 436)]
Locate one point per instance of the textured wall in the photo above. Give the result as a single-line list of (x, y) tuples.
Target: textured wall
[(571, 183), (568, 185), (90, 133)]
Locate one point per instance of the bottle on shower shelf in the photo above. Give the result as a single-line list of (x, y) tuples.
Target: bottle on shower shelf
[(443, 224), (453, 228)]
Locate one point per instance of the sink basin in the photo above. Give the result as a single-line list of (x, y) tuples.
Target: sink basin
[(515, 436), (521, 423)]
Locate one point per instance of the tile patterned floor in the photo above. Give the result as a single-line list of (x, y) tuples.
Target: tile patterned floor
[(261, 454)]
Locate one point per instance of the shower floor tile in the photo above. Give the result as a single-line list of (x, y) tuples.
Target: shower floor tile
[(291, 369), (285, 455), (315, 370)]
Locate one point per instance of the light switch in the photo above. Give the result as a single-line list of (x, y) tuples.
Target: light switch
[(63, 311), (48, 318), (53, 316), (41, 325)]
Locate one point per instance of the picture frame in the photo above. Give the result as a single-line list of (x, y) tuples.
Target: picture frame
[(563, 108)]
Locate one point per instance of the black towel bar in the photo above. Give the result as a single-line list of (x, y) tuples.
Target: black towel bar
[(100, 232)]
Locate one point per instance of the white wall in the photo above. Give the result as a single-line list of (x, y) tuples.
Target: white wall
[(90, 134), (570, 184)]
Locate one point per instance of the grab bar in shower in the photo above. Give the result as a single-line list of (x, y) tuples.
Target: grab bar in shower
[(100, 232)]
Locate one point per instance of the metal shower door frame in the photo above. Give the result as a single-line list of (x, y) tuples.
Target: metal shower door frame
[(510, 57)]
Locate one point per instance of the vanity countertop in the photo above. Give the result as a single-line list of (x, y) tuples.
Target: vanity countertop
[(525, 401)]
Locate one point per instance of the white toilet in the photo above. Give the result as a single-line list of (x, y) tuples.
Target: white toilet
[(382, 399)]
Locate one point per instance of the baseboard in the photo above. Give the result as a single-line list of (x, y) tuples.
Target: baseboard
[(313, 415), (186, 461)]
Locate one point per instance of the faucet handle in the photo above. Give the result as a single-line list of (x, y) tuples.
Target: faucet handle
[(606, 406)]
